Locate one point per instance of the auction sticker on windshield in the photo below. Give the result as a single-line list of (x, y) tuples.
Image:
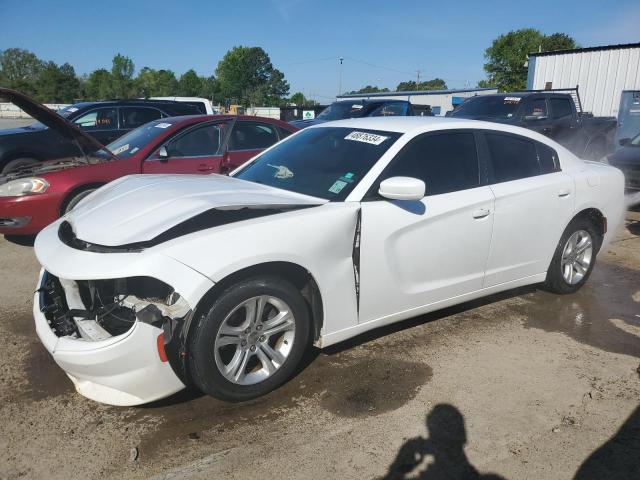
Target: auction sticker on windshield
[(511, 99), (365, 137)]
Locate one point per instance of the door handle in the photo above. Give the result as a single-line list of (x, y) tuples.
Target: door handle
[(203, 167), (481, 213), (564, 192)]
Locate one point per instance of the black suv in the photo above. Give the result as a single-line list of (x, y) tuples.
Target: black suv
[(105, 121)]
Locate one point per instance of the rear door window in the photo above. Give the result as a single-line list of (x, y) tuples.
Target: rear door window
[(560, 107), (512, 157), (548, 159), (133, 117), (252, 136), (201, 142)]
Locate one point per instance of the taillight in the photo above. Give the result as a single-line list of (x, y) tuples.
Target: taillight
[(161, 352)]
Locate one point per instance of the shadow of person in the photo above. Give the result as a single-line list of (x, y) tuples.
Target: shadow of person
[(445, 444), (618, 458)]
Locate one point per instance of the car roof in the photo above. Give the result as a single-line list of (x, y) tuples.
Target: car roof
[(524, 94), (191, 119), (419, 124)]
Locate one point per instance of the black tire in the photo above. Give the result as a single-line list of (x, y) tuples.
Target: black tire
[(75, 199), (204, 371), (555, 281), (18, 163)]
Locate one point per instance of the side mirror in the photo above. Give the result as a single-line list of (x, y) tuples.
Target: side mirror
[(402, 188), (624, 142), (533, 118), (163, 154)]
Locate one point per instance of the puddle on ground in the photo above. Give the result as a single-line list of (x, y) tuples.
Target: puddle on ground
[(343, 385), (590, 315)]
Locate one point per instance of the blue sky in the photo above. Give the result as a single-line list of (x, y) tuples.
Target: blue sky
[(383, 42)]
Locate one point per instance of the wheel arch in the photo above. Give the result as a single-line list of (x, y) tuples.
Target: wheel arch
[(299, 276), (11, 155), (75, 191), (597, 218)]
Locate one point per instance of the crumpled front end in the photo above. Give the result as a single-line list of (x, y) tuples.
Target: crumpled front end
[(116, 323), (118, 340)]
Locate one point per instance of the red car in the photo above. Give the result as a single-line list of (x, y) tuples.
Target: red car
[(34, 197)]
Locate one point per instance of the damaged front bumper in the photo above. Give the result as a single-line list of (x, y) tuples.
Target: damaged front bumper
[(110, 358)]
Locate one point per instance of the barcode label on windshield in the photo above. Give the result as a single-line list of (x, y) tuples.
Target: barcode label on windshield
[(366, 138)]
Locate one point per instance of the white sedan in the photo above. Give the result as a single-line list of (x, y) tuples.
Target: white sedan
[(156, 282)]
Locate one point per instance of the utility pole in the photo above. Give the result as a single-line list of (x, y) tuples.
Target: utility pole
[(418, 79), (340, 77)]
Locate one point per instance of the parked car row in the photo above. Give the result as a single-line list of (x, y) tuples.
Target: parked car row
[(39, 193)]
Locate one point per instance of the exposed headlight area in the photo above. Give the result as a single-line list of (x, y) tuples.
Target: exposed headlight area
[(24, 186), (94, 310)]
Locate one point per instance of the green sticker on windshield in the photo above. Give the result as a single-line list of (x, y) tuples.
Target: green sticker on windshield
[(337, 186)]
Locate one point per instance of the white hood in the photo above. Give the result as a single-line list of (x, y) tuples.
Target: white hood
[(138, 208)]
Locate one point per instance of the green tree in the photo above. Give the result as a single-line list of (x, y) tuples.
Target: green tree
[(246, 74), (507, 56), (20, 70), (298, 98), (558, 41), (122, 84), (190, 84), (211, 89), (57, 84), (370, 89), (433, 84), (484, 83), (98, 86)]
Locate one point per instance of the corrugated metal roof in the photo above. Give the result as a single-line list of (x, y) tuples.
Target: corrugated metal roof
[(415, 92), (587, 49)]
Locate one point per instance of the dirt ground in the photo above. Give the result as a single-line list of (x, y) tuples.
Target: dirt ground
[(522, 385)]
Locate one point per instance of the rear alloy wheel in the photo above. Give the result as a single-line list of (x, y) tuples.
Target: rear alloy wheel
[(251, 340), (574, 257)]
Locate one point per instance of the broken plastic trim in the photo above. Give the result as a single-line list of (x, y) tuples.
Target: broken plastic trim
[(214, 217), (355, 256)]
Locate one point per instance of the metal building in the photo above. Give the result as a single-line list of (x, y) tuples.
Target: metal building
[(601, 74), (440, 101)]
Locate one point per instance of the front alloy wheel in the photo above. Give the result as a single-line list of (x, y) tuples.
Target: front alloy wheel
[(255, 340), (250, 339)]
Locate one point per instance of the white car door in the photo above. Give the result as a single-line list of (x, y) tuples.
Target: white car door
[(534, 203), (416, 253)]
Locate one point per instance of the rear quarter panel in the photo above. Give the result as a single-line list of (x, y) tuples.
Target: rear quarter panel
[(602, 187)]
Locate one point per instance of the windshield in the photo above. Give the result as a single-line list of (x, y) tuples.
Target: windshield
[(503, 107), (63, 112), (341, 110), (322, 162), (129, 144)]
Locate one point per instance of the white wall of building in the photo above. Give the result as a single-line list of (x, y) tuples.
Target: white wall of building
[(601, 75), (434, 98)]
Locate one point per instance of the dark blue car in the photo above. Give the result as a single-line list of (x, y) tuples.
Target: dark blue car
[(627, 159), (357, 109)]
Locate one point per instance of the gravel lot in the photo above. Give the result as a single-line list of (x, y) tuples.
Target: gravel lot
[(524, 384)]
